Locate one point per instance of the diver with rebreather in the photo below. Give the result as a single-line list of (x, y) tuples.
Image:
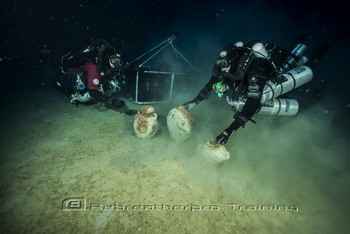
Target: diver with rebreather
[(254, 75), (251, 77)]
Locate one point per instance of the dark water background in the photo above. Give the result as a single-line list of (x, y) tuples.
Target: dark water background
[(35, 34)]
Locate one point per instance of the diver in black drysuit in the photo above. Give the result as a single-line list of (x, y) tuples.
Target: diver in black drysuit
[(96, 73), (240, 72), (243, 73)]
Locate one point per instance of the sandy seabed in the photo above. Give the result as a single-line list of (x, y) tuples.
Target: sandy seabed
[(79, 170)]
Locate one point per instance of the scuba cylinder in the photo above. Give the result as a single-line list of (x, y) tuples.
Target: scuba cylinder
[(295, 58), (279, 106), (286, 82)]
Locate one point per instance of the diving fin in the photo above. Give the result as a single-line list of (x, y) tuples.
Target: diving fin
[(321, 50)]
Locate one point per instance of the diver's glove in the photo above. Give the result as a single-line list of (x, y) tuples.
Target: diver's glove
[(190, 104), (222, 138), (203, 94)]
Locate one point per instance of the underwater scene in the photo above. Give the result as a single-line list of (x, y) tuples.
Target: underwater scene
[(174, 117)]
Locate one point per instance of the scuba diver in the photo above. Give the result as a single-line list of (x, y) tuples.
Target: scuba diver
[(94, 74), (252, 76)]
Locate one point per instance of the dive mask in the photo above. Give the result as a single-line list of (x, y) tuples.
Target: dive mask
[(115, 60)]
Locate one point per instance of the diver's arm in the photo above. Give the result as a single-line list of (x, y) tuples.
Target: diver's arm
[(250, 107), (203, 94), (225, 135)]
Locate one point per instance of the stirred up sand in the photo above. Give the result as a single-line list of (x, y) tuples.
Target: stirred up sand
[(79, 170)]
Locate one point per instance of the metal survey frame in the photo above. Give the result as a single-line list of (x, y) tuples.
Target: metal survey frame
[(173, 74), (163, 45)]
